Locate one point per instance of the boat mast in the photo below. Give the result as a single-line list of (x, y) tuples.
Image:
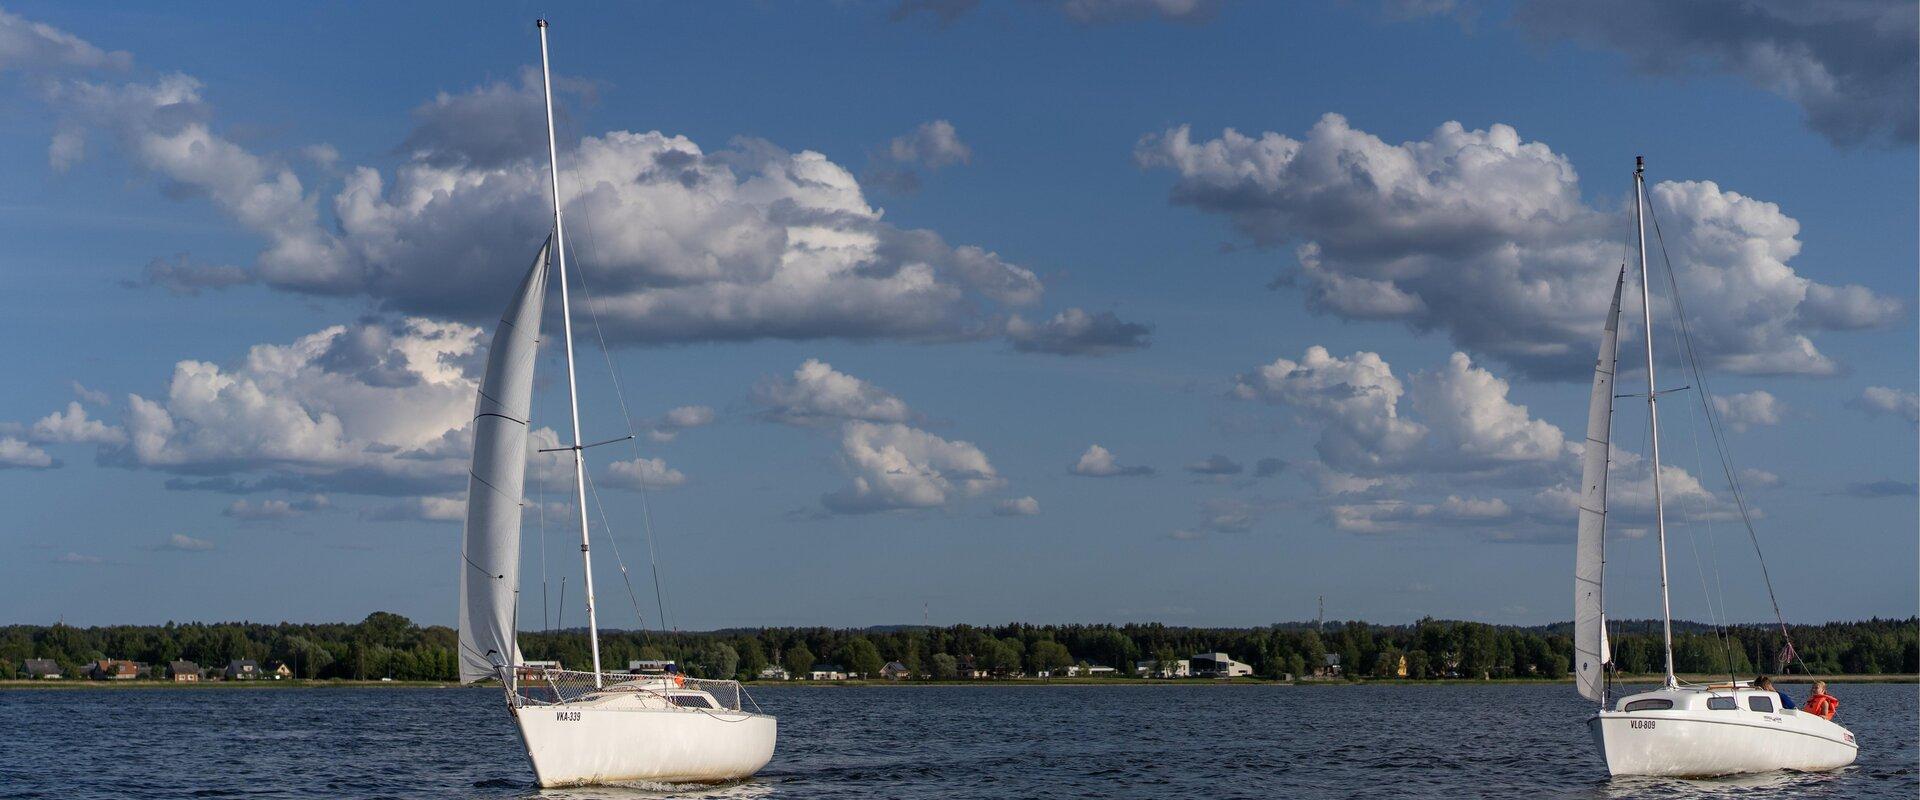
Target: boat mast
[(566, 320), (1653, 406)]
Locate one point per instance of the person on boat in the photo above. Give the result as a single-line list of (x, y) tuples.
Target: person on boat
[(1765, 684), (1820, 702)]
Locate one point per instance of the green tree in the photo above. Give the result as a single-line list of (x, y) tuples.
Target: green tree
[(945, 667), (1417, 664), (1046, 655), (715, 660), (799, 660), (1165, 661), (752, 658), (1386, 664), (861, 657)]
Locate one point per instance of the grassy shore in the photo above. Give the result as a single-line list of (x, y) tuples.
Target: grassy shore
[(87, 685), (1630, 680)]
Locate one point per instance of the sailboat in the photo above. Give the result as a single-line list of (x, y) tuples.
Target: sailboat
[(1676, 730), (578, 727)]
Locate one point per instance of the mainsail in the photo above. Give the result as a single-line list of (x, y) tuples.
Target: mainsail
[(1590, 652), (490, 554)]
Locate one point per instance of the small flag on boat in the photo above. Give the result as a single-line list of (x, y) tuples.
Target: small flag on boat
[(1786, 657)]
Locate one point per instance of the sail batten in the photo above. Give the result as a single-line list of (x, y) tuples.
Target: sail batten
[(1590, 650), (490, 549)]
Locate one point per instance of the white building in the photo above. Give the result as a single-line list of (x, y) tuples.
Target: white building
[(1219, 665), (1154, 668), (774, 673), (652, 667)]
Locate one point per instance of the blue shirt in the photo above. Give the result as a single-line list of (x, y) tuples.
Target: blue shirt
[(1786, 702)]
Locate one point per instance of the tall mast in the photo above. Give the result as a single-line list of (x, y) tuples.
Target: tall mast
[(1653, 406), (566, 320)]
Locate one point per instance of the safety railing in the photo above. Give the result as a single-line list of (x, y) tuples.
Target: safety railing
[(534, 686)]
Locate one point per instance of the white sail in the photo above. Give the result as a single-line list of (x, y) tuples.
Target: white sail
[(490, 554), (1590, 652)]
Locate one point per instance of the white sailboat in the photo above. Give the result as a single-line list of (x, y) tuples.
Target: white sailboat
[(1676, 730), (578, 727)]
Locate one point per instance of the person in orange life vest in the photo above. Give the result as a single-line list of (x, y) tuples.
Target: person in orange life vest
[(1820, 702)]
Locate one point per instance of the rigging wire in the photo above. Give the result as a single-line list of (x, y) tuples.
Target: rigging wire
[(1720, 439), (595, 491), (605, 524), (1720, 618), (1717, 614), (646, 501)]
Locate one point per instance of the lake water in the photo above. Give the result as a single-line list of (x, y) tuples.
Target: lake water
[(906, 742)]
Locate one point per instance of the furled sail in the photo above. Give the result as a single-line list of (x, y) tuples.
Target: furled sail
[(1590, 651), (490, 552)]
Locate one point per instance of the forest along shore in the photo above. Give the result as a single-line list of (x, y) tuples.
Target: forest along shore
[(386, 645), (83, 685)]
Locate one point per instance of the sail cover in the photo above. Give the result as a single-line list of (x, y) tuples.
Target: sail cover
[(1590, 652), (490, 552)]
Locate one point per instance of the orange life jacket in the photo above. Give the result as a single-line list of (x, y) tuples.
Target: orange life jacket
[(1823, 704)]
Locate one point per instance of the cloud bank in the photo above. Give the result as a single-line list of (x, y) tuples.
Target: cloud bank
[(1485, 237)]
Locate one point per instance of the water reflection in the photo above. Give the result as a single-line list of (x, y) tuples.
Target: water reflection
[(646, 790)]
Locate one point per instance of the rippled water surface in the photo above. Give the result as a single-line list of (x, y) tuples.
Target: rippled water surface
[(905, 742)]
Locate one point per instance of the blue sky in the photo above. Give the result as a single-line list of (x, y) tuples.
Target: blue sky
[(880, 278)]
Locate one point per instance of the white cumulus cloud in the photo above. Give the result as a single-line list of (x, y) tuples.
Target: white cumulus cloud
[(1017, 507), (895, 466), (15, 453), (644, 473), (1076, 332), (430, 508), (1486, 237), (38, 47), (680, 243), (1902, 403), (680, 418), (1099, 462), (818, 394), (73, 426), (1749, 409), (186, 544)]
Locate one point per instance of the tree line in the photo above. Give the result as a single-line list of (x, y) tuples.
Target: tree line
[(386, 645)]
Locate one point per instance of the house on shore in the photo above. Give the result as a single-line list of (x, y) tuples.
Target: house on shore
[(895, 670), (775, 673), (1330, 665), (42, 669), (1154, 668), (183, 671), (1100, 671), (279, 671), (243, 669), (1219, 665), (827, 672), (534, 670), (109, 669)]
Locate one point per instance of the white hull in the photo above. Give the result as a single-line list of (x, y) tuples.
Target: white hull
[(571, 746), (1700, 743)]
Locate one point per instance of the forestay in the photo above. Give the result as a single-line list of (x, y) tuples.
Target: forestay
[(490, 553), (1590, 652)]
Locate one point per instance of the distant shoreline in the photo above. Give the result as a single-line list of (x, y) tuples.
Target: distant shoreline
[(82, 685)]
